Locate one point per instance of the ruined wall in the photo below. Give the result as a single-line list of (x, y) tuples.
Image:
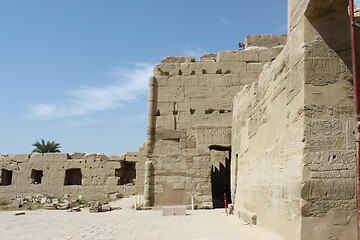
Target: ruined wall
[(328, 188), (190, 134), (267, 147), (293, 132), (265, 40), (90, 175)]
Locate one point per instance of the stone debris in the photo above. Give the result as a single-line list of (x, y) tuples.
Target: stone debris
[(16, 203), (115, 195), (94, 206), (105, 208), (50, 206), (66, 196), (75, 209), (51, 202)]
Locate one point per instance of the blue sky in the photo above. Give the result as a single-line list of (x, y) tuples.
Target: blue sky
[(76, 71)]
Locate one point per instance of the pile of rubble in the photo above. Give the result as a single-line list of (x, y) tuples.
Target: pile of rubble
[(51, 202), (96, 206)]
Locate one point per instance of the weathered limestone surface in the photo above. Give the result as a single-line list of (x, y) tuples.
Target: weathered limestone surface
[(293, 131), (265, 40), (190, 109), (47, 174)]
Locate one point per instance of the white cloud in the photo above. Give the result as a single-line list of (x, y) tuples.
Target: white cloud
[(130, 83), (225, 20), (78, 122)]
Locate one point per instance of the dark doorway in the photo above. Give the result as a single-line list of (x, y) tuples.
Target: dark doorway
[(220, 175), (73, 176), (6, 177), (126, 173), (36, 176)]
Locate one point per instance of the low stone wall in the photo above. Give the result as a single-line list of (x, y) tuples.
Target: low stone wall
[(90, 175)]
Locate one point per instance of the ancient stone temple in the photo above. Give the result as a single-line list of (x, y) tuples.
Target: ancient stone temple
[(293, 131), (271, 126), (190, 116)]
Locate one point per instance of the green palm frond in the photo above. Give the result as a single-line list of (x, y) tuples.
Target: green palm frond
[(48, 147)]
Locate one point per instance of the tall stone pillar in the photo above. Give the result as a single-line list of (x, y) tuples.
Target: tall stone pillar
[(151, 116), (149, 183), (150, 142)]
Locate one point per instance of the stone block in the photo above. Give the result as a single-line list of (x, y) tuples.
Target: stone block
[(90, 156), (168, 211), (114, 158), (248, 216), (174, 59), (55, 156), (166, 69), (227, 56), (268, 55), (210, 68), (248, 56), (209, 57), (180, 210), (102, 156), (179, 186), (207, 205), (105, 208), (174, 94), (254, 67), (265, 40), (77, 155), (190, 69), (15, 203), (36, 156), (172, 179), (17, 157), (115, 195)]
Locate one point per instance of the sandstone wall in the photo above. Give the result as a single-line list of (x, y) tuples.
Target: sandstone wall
[(58, 174), (267, 148), (192, 114), (328, 188), (293, 132), (265, 40)]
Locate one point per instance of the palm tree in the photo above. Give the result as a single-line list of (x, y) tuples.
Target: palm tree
[(48, 147)]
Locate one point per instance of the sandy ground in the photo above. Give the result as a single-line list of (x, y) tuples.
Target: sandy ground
[(127, 224)]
